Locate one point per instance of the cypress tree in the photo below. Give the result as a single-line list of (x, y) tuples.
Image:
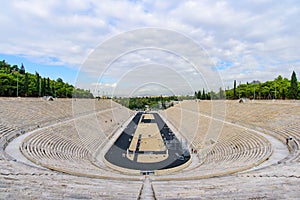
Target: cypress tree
[(38, 84), (26, 85), (53, 91), (294, 86), (199, 94), (283, 94), (203, 95), (48, 90), (234, 89), (44, 87), (22, 69)]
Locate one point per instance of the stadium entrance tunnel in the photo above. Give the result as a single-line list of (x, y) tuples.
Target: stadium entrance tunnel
[(147, 146)]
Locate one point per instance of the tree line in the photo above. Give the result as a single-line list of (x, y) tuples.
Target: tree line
[(153, 102), (15, 82), (279, 88)]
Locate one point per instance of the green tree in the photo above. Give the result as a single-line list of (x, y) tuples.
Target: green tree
[(43, 87), (38, 88), (234, 89), (294, 86), (26, 85), (4, 66), (48, 90), (53, 90), (15, 68), (203, 97), (199, 94), (14, 83), (22, 69), (283, 94), (6, 87)]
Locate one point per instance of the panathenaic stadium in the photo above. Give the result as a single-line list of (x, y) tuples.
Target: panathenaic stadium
[(98, 149)]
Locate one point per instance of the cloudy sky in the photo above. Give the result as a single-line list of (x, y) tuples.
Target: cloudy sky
[(241, 40)]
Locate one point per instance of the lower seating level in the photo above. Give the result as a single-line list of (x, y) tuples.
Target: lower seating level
[(19, 181)]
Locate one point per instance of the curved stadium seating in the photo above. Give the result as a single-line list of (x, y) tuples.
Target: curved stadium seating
[(68, 133)]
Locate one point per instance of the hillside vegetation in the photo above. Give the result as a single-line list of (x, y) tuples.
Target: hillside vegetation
[(15, 81), (279, 88)]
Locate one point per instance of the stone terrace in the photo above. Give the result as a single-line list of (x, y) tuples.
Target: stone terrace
[(278, 180), (71, 133)]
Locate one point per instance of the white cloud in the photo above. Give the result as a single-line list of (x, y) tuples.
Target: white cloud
[(260, 38)]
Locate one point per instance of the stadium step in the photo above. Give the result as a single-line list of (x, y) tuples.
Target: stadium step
[(147, 192)]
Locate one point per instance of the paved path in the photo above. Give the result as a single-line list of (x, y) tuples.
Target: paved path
[(14, 152)]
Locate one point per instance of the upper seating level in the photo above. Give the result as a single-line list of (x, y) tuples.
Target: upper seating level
[(273, 117), (28, 112)]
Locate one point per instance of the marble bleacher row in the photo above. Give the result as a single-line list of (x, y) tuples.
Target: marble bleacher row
[(25, 114), (283, 132), (28, 112), (270, 114), (277, 118), (93, 123), (259, 116), (279, 181), (71, 147), (6, 134), (19, 181), (52, 147), (229, 187), (236, 150), (60, 147), (241, 146)]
